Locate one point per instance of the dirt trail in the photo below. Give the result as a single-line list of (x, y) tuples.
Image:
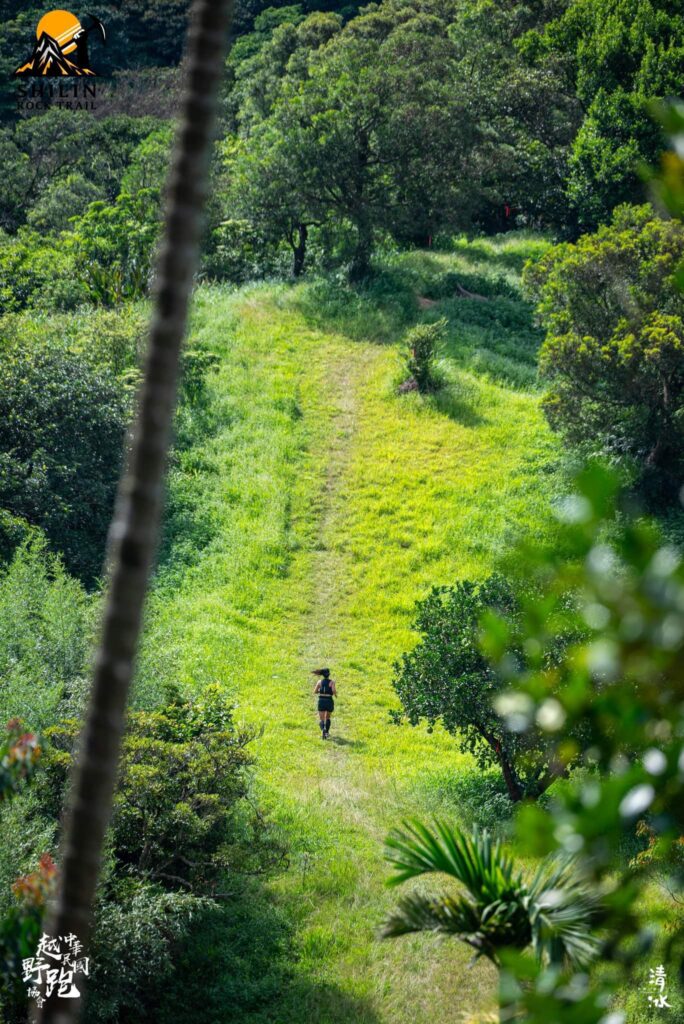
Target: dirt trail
[(327, 577)]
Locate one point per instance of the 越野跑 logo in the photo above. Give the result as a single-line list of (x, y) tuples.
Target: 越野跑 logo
[(61, 47)]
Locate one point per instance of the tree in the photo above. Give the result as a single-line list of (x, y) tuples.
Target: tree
[(149, 163), (499, 910), (613, 351), (374, 134), (62, 200), (113, 246), (616, 56), (62, 427), (616, 139), (447, 678), (100, 150), (527, 114), (37, 270), (266, 192)]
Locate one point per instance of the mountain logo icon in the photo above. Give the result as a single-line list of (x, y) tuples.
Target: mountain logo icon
[(61, 47)]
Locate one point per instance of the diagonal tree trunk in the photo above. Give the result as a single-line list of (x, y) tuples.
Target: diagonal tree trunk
[(135, 527)]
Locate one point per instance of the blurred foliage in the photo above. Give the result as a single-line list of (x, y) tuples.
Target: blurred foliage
[(613, 704), (19, 753), (47, 624), (20, 930)]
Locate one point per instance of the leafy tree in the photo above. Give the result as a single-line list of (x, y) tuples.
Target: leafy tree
[(616, 56), (37, 271), (113, 246), (74, 142), (62, 201), (447, 678), (500, 910), (62, 430), (527, 114), (15, 166), (616, 139), (613, 352), (144, 34), (371, 136), (149, 162)]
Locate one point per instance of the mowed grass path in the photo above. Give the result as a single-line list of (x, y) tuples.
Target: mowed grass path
[(325, 505)]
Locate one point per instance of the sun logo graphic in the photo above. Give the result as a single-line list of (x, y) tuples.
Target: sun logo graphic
[(61, 48)]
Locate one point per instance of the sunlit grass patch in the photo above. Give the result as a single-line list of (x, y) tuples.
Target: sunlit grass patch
[(321, 506)]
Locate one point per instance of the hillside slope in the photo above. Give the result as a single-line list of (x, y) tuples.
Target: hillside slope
[(318, 506)]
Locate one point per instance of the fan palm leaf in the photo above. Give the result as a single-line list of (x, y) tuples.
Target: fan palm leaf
[(499, 907)]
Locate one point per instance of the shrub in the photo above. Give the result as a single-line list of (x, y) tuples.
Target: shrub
[(181, 818), (109, 339), (38, 271), (185, 846), (136, 941), (614, 350), (62, 429), (422, 348), (113, 246)]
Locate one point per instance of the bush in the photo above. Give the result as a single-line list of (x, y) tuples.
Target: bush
[(136, 941), (114, 245), (62, 201), (615, 342), (110, 339), (62, 427), (422, 348), (181, 818), (185, 846), (38, 271)]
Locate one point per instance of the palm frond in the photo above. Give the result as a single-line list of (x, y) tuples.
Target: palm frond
[(480, 865), (445, 915), (561, 907), (552, 912)]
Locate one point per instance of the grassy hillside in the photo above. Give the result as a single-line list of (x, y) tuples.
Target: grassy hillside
[(315, 507)]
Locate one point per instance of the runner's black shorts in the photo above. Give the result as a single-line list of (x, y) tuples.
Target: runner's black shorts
[(326, 703)]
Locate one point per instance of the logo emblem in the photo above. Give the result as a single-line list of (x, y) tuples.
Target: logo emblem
[(61, 48)]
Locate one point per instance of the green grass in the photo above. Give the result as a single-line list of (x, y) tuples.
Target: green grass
[(315, 508)]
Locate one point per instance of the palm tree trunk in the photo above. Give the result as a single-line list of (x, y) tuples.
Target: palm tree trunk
[(135, 527)]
